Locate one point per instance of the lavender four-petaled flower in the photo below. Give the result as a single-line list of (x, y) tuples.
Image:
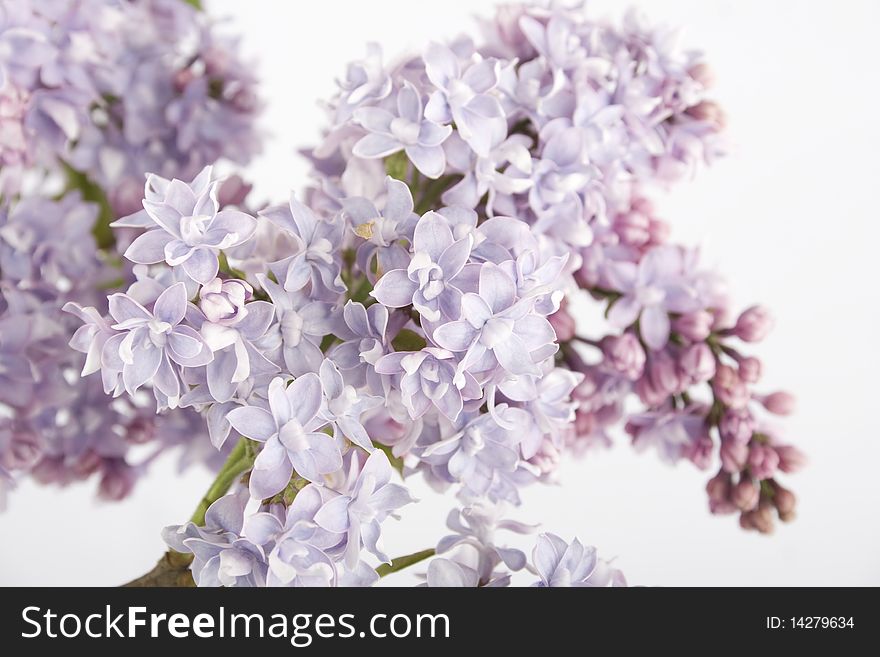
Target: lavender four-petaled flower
[(495, 322), (408, 131), (290, 434), (191, 231), (359, 513), (149, 342), (428, 282)]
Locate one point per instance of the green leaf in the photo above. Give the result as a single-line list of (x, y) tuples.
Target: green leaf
[(404, 562), (396, 462), (90, 192), (396, 165), (408, 340)]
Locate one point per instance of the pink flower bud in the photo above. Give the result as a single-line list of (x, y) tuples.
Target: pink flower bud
[(23, 450), (697, 363), (648, 394), (695, 326), (118, 481), (791, 459), (749, 369), (624, 354), (753, 324), (760, 519), (763, 461), (703, 74), (737, 425), (663, 373), (700, 452), (784, 501), (50, 470), (633, 228), (563, 323), (233, 191), (733, 455), (719, 489), (709, 112), (729, 388), (779, 403), (746, 494)]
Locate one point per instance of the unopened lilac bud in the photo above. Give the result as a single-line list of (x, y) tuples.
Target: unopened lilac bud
[(779, 403), (699, 452), (633, 228), (648, 393), (694, 327), (746, 494), (697, 363), (719, 489), (663, 373), (563, 323), (658, 231), (763, 461), (703, 74), (625, 355), (762, 519), (729, 388), (140, 430), (223, 302), (182, 78), (753, 324), (784, 501), (737, 425), (88, 463), (584, 422), (49, 470), (791, 459), (233, 191), (23, 450), (117, 481), (709, 112), (749, 369), (733, 455)]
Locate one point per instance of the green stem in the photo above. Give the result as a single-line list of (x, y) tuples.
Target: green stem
[(404, 562), (92, 193), (173, 568), (240, 460)]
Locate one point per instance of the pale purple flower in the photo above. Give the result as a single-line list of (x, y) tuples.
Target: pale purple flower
[(359, 514), (344, 406), (356, 357), (366, 81), (493, 321), (301, 324), (463, 98), (151, 343), (290, 434), (561, 564), (296, 546), (426, 381), (651, 289), (316, 261), (230, 329), (382, 231), (191, 230), (672, 433), (221, 556), (408, 131), (429, 281), (475, 526)]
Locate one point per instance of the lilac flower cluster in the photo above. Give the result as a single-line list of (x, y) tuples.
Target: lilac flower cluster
[(115, 89), (93, 94), (408, 314)]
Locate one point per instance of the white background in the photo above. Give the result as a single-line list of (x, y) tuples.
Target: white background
[(789, 217)]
